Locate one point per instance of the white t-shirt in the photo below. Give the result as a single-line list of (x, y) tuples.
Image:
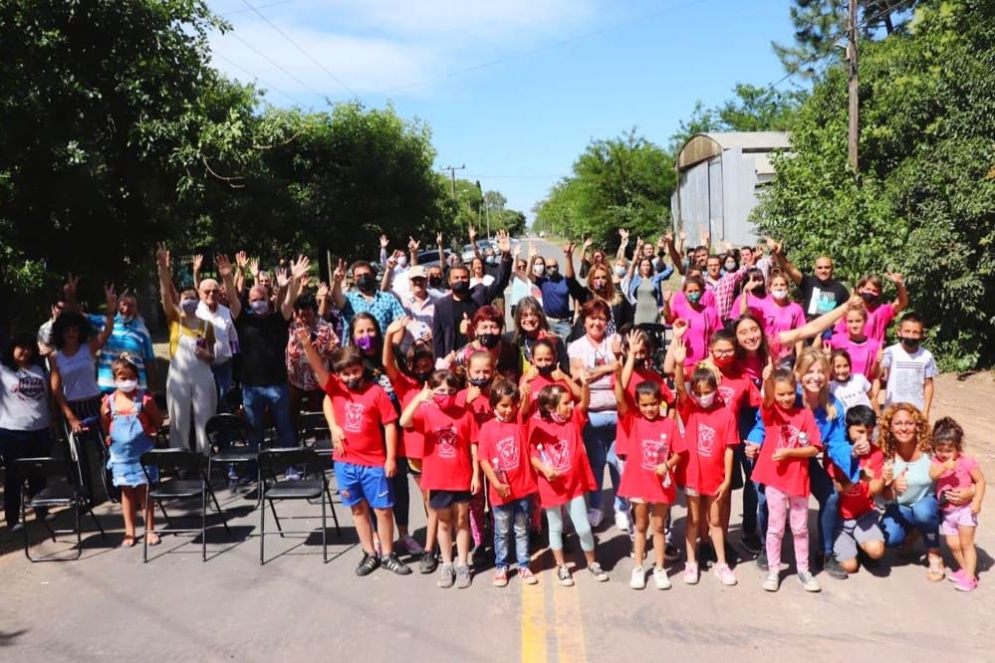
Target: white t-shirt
[(592, 355), (486, 279), (24, 399), (907, 374), (852, 392), (79, 374), (225, 336)]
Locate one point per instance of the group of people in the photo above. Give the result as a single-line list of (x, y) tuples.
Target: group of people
[(510, 431)]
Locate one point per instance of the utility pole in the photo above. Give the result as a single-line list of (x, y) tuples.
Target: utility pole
[(452, 172), (851, 56)]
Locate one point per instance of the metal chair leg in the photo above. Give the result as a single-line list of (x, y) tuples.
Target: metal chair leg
[(324, 532), (203, 522), (262, 532), (276, 518), (335, 516)]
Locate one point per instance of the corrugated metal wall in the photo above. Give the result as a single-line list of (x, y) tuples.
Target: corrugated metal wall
[(718, 194)]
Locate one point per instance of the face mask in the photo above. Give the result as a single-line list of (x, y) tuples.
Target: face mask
[(435, 282), (693, 297), (259, 307), (491, 260), (502, 419), (640, 363), (365, 343), (779, 294), (489, 340), (910, 343), (600, 283), (402, 261), (730, 267), (706, 400), (354, 384), (365, 283), (553, 272), (869, 297), (461, 287), (478, 382), (444, 401), (126, 386), (423, 376), (558, 418), (546, 371), (724, 361), (189, 306), (620, 270), (538, 269)]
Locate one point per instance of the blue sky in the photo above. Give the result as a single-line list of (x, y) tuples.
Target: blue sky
[(513, 89)]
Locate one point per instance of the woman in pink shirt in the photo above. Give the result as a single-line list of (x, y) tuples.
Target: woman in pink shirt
[(780, 314), (879, 315), (702, 321)]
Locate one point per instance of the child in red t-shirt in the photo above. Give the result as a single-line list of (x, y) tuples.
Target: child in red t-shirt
[(504, 459), (564, 472), (475, 398), (709, 443), (649, 445), (449, 469), (544, 372), (364, 451), (791, 439), (857, 485)]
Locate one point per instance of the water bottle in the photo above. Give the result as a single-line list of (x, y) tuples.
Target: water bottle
[(661, 457), (544, 457), (501, 475), (803, 439), (232, 479)]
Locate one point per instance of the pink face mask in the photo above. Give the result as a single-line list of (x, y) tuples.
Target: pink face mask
[(444, 401)]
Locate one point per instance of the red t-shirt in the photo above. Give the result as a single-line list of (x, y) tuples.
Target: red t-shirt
[(707, 435), (640, 375), (648, 443), (536, 385), (361, 415), (738, 392), (563, 448), (856, 499), (480, 408), (448, 461), (789, 475), (504, 445), (411, 443)]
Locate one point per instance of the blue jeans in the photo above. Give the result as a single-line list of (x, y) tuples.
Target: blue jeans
[(508, 517), (599, 442), (561, 328), (824, 491), (924, 515), (222, 382), (277, 398)]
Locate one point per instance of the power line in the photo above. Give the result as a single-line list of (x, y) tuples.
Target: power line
[(301, 49), (275, 63), (246, 11), (256, 78)]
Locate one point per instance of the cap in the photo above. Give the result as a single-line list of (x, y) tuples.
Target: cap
[(417, 272)]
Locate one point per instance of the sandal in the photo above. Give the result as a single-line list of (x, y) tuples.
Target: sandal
[(128, 541), (153, 538), (936, 571)]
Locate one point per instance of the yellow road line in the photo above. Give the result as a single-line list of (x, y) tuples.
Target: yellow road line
[(569, 627), (534, 621)]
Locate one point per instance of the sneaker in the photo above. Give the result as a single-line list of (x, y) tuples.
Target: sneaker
[(393, 564), (832, 568), (808, 581), (527, 576), (773, 580), (671, 553), (661, 579), (638, 580), (598, 572), (690, 573), (428, 563), (622, 521), (594, 517), (966, 584), (447, 576), (463, 577), (563, 575), (725, 575), (368, 564), (410, 545), (17, 527), (955, 576), (762, 561), (292, 474), (501, 577), (751, 544)]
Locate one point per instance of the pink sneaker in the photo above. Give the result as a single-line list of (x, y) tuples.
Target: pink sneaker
[(966, 584), (955, 576), (690, 576)]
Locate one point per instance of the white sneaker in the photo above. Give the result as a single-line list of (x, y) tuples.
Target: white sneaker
[(773, 580), (808, 581), (594, 517), (638, 580), (661, 578), (622, 521)]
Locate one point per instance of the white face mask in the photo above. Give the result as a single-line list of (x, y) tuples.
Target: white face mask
[(730, 266), (620, 270), (402, 261), (779, 294), (706, 400), (126, 386), (538, 269)]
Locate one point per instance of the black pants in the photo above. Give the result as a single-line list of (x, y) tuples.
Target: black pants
[(402, 496), (14, 445)]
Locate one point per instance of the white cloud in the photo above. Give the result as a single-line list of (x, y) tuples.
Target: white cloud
[(400, 46)]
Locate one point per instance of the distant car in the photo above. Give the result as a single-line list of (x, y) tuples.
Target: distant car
[(542, 233), (467, 253), (431, 257)]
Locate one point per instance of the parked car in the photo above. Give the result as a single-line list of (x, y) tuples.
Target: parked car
[(430, 257)]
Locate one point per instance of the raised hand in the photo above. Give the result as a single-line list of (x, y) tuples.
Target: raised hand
[(895, 278), (680, 350), (323, 291), (197, 261), (533, 252), (623, 234), (639, 243), (303, 335), (384, 241), (397, 327), (568, 249), (70, 286), (110, 297), (464, 325), (504, 242), (680, 327), (661, 243), (162, 255), (588, 243), (668, 237), (300, 268), (517, 251), (282, 277), (242, 259), (768, 369), (413, 244), (254, 266), (472, 232), (224, 267), (339, 274), (438, 239)]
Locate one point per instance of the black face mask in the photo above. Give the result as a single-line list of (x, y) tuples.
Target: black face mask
[(435, 282), (423, 376), (489, 340), (910, 343), (640, 363), (354, 385), (461, 287), (366, 283), (870, 297), (478, 382), (553, 274), (546, 371)]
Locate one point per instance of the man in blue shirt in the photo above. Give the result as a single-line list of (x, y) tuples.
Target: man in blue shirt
[(365, 298), (557, 289)]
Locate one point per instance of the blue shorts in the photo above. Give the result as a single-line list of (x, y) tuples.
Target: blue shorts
[(360, 482)]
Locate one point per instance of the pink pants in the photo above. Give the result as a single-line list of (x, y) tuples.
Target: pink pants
[(781, 508), (477, 504)]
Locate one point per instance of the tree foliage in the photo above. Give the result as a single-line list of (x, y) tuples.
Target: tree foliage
[(923, 202)]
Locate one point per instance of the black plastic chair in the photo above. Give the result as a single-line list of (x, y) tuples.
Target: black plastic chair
[(228, 437), (273, 462), (233, 399), (176, 461), (313, 433), (67, 492)]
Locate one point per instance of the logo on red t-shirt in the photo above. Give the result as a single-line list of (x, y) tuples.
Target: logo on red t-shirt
[(559, 454), (353, 417), (726, 394), (446, 442), (654, 452), (788, 439), (508, 453), (706, 439)]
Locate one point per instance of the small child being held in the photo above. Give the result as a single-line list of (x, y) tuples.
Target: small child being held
[(857, 486), (952, 470), (504, 459)]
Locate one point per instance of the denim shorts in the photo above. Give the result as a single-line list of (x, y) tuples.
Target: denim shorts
[(360, 482)]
